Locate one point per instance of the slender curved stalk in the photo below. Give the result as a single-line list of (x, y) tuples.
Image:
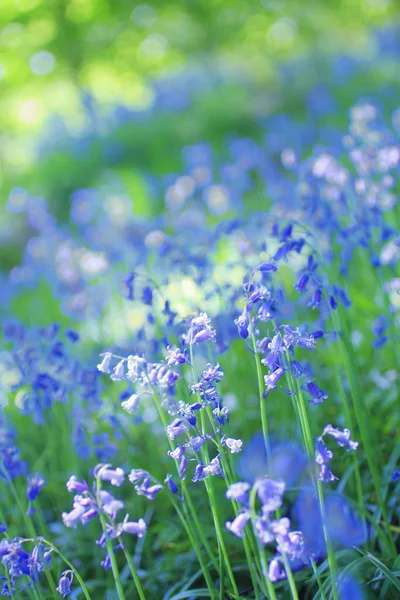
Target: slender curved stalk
[(211, 493), (133, 571), (110, 548), (309, 446), (71, 566)]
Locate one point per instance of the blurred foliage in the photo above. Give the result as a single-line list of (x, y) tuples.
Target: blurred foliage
[(54, 52)]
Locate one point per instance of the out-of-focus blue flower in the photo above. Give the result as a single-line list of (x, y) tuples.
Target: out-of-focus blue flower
[(345, 526), (287, 461), (349, 588)]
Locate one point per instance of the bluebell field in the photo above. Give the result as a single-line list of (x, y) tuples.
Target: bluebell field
[(200, 399)]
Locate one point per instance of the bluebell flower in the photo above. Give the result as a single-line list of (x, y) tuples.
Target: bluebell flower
[(233, 445), (147, 296), (131, 404), (171, 484), (199, 474), (183, 467), (195, 443), (114, 476), (15, 558), (128, 281), (105, 363), (212, 374), (322, 457), (396, 475), (267, 267), (349, 588), (276, 571), (238, 525), (177, 427), (137, 528), (35, 483), (176, 357), (214, 468), (148, 489), (301, 285), (270, 493), (272, 379), (119, 371), (177, 453), (74, 485), (239, 491), (316, 298), (317, 395), (341, 437), (64, 584)]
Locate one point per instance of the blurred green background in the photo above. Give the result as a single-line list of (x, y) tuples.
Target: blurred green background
[(100, 92)]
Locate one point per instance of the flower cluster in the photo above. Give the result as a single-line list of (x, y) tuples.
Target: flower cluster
[(289, 543), (323, 455)]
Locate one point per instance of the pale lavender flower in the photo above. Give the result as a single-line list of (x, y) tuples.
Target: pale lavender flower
[(234, 445), (114, 476), (238, 525), (131, 404), (105, 363), (341, 437), (214, 468), (239, 491)]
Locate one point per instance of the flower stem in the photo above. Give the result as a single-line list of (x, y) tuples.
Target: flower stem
[(133, 571), (109, 545)]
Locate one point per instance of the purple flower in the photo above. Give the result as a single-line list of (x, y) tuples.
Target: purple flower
[(171, 484), (175, 357), (301, 285), (316, 298), (199, 474), (276, 572), (64, 585), (73, 485), (105, 363), (342, 437), (137, 475), (270, 493), (325, 474), (177, 453), (238, 525), (213, 374), (177, 427), (214, 468), (396, 475), (272, 379), (109, 504), (317, 395), (267, 267), (131, 405), (234, 445), (239, 491), (183, 467), (148, 489), (119, 372), (35, 483), (114, 476), (134, 527)]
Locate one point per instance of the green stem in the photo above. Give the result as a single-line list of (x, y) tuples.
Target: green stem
[(211, 493), (185, 490), (318, 578), (133, 571), (71, 566), (207, 576), (263, 410), (309, 445), (109, 545)]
